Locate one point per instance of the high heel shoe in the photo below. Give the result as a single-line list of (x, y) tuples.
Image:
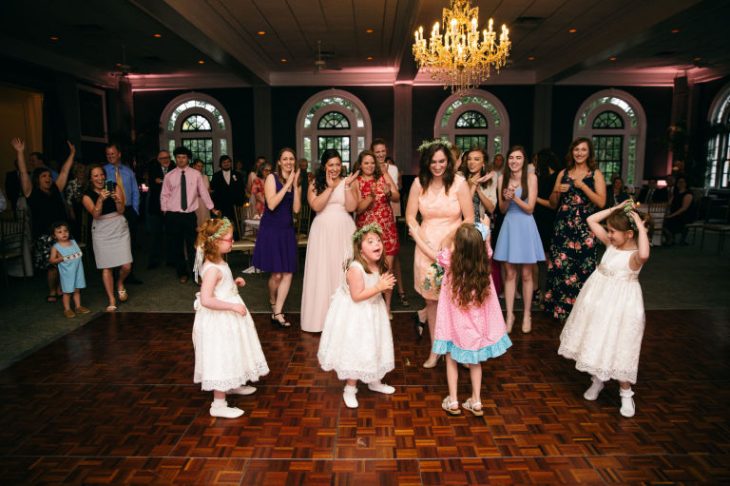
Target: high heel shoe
[(431, 362), (510, 321), (526, 324), (280, 323), (419, 326)]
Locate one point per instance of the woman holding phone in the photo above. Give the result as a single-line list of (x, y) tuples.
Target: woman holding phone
[(104, 200)]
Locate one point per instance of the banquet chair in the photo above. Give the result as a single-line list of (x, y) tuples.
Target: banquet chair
[(12, 236)]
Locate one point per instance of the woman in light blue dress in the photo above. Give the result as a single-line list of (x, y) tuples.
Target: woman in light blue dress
[(518, 245)]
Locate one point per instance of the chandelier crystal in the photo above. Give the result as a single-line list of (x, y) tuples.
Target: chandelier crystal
[(458, 58)]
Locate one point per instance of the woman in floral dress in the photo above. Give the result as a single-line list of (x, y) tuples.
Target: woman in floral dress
[(376, 190), (579, 191)]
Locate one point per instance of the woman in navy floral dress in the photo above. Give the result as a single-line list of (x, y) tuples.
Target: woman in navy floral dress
[(580, 190)]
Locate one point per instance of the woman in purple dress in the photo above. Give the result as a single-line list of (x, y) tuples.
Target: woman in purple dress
[(276, 243)]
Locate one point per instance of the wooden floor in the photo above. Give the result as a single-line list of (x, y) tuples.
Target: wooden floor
[(113, 402)]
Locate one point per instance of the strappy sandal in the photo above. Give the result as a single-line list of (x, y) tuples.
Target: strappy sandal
[(277, 322), (473, 407), (448, 406)]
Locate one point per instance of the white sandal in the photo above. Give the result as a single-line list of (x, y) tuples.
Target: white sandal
[(472, 407), (448, 406)]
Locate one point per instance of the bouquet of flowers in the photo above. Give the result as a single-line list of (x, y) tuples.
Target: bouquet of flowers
[(434, 276)]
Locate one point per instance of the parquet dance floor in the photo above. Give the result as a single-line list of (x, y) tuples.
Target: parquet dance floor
[(113, 403)]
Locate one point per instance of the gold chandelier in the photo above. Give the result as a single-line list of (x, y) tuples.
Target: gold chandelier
[(458, 58)]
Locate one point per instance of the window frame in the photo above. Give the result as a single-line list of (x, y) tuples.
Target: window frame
[(717, 145)]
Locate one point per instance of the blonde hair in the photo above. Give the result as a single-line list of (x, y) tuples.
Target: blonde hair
[(208, 235)]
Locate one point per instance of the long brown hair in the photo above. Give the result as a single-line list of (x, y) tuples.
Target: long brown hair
[(591, 162), (508, 172), (358, 164), (470, 269), (424, 174)]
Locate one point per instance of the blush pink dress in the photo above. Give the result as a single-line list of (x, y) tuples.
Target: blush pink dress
[(473, 334), (329, 249), (440, 215)]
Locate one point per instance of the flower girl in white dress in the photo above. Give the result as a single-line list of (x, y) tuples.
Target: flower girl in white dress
[(227, 349), (357, 341), (604, 330)]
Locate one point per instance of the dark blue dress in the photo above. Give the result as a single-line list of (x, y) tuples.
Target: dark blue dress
[(276, 242)]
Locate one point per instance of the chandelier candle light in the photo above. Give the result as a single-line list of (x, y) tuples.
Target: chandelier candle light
[(458, 59)]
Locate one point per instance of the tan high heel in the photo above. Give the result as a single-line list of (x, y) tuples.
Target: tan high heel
[(510, 322), (432, 362), (526, 324)]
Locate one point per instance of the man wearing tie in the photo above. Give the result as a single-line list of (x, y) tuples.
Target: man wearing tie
[(228, 187), (124, 176), (182, 190)]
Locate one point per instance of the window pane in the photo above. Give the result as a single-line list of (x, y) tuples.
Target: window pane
[(171, 146), (341, 144), (608, 150), (196, 123), (202, 148), (630, 172), (333, 120), (497, 145), (467, 142), (308, 149), (471, 119), (608, 119), (224, 146)]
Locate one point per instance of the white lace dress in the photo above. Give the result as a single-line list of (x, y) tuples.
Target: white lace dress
[(357, 341), (604, 330), (227, 349)]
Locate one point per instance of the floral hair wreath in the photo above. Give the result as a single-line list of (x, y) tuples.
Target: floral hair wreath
[(368, 228), (629, 206), (222, 230), (426, 144)]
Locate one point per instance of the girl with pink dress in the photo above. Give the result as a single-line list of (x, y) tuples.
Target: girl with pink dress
[(443, 199), (470, 328)]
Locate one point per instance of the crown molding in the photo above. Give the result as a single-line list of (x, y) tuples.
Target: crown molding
[(185, 81)]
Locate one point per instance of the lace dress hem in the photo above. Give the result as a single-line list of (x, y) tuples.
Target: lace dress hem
[(364, 376), (260, 369), (601, 373)]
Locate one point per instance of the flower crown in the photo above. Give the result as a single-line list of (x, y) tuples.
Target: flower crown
[(426, 144), (630, 205), (222, 230), (368, 228)]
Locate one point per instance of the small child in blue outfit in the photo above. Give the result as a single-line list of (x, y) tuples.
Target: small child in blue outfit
[(66, 254)]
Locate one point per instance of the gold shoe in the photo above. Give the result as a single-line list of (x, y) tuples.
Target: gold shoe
[(431, 362), (526, 324)]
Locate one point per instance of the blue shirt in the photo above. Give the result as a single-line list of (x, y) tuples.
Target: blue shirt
[(131, 191)]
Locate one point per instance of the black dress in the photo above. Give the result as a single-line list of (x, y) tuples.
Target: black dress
[(545, 217)]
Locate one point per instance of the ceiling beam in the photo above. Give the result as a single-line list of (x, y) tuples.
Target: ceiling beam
[(634, 27), (196, 23)]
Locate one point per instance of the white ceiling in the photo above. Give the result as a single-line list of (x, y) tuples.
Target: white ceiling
[(224, 33)]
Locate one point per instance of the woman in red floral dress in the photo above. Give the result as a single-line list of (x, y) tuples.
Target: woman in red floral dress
[(376, 190)]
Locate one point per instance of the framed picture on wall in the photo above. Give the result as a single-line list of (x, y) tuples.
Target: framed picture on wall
[(92, 114)]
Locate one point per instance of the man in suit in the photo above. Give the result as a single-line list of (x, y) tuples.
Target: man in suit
[(156, 171), (228, 187)]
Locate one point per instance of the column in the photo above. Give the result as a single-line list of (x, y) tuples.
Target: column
[(403, 148), (542, 117), (262, 121)]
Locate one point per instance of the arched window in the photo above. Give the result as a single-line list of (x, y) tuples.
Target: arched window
[(474, 118), (333, 119), (616, 123), (198, 122), (718, 144)]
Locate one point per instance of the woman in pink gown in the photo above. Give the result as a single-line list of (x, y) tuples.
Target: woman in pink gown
[(330, 238), (444, 201)]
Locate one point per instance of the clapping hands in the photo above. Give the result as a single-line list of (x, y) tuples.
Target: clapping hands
[(386, 282)]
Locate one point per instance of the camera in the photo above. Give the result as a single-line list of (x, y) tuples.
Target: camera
[(110, 186)]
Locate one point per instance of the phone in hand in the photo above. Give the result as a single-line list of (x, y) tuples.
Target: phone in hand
[(110, 186)]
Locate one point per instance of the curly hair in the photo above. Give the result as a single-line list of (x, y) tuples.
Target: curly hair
[(206, 237), (357, 254), (424, 174), (320, 175), (358, 164), (470, 270)]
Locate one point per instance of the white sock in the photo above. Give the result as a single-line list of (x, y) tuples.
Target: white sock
[(219, 402)]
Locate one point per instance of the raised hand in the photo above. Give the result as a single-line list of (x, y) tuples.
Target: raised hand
[(637, 219), (71, 147), (240, 281), (18, 144), (351, 177), (485, 177), (386, 282)]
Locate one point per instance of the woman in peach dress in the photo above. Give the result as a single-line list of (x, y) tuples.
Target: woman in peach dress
[(444, 201), (330, 238)]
